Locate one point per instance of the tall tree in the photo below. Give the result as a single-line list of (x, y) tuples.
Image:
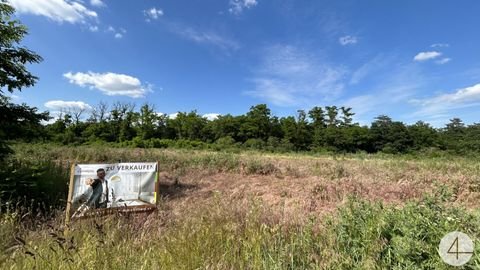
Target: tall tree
[(423, 135), (147, 122), (98, 113), (225, 126), (454, 134), (188, 126), (14, 58), (303, 137), (14, 75), (332, 113), (317, 116), (257, 123), (347, 115), (390, 136)]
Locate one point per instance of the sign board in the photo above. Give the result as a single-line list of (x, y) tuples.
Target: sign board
[(97, 187)]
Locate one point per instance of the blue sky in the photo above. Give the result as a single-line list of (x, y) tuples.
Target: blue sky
[(412, 60)]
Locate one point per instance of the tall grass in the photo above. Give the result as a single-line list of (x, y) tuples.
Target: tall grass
[(36, 184), (360, 235), (224, 233)]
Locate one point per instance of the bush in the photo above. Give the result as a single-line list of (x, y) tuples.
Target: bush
[(372, 235), (226, 141), (161, 143), (188, 144), (254, 144), (33, 184)]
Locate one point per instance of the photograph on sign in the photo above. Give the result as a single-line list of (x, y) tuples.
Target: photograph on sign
[(96, 187)]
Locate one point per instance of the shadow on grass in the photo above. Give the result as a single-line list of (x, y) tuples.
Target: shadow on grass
[(175, 190)]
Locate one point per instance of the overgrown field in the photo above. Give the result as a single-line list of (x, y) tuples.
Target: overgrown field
[(244, 211)]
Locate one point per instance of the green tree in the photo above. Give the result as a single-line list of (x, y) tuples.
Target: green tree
[(317, 116), (332, 113), (472, 138), (257, 123), (289, 128), (390, 136), (423, 135), (147, 122), (19, 121), (14, 76), (98, 126), (347, 115), (188, 126), (303, 136), (225, 126), (453, 135), (14, 58)]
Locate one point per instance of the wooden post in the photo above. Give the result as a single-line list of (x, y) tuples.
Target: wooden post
[(70, 194)]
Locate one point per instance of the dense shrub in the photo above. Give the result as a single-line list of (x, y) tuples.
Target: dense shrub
[(254, 144)]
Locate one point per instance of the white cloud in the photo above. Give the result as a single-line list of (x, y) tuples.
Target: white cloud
[(13, 97), (117, 33), (153, 13), (390, 98), (72, 11), (211, 116), (237, 6), (388, 91), (97, 3), (291, 77), (110, 84), (378, 63), (173, 115), (204, 37), (443, 61), (347, 40), (461, 98), (93, 28), (424, 56), (440, 45), (59, 105)]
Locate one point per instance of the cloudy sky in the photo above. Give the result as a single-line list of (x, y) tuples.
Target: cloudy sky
[(408, 59)]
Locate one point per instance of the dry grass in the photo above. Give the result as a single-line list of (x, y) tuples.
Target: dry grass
[(301, 184), (258, 211)]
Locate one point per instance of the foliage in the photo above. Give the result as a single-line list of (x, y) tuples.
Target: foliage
[(13, 58), (330, 129), (16, 121), (33, 182)]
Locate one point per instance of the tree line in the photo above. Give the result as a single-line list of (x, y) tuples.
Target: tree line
[(328, 128)]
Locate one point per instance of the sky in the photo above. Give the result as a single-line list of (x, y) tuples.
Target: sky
[(411, 60)]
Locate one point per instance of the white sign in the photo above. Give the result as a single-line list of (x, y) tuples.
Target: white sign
[(97, 186)]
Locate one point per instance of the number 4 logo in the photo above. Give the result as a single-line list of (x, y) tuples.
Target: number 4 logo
[(456, 251), (456, 248)]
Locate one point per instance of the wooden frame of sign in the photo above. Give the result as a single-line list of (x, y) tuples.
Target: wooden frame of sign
[(70, 194)]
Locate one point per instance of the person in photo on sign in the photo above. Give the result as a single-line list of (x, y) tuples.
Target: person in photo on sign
[(101, 193)]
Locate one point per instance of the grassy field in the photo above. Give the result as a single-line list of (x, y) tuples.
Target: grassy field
[(250, 210)]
